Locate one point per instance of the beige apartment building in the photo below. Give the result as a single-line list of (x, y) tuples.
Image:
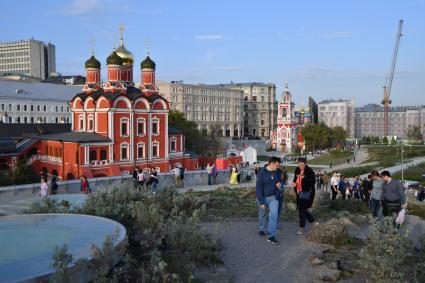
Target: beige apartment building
[(338, 113), (259, 107), (370, 120), (27, 57), (207, 105)]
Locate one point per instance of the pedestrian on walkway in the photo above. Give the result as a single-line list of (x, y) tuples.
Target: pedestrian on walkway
[(210, 173), (342, 187), (44, 188), (304, 182), (177, 176), (140, 179), (135, 179), (153, 180), (85, 187), (234, 176), (393, 195), (268, 181), (325, 181), (54, 184), (334, 185), (376, 195)]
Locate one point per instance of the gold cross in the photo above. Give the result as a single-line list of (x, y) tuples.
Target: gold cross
[(121, 29)]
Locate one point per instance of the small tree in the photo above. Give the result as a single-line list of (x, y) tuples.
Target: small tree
[(393, 141), (414, 133), (385, 141), (24, 173)]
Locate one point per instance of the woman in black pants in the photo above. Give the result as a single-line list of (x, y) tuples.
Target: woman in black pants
[(304, 181)]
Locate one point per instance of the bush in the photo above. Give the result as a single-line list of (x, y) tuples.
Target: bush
[(165, 241), (385, 252)]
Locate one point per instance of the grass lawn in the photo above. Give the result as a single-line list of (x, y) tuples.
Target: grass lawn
[(335, 156), (358, 170), (417, 209), (413, 173), (387, 156)]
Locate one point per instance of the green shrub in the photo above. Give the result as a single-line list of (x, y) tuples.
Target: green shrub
[(386, 251)]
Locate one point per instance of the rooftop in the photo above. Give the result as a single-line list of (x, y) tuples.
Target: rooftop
[(37, 91)]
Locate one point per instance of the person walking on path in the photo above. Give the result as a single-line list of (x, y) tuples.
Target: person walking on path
[(210, 172), (85, 187), (135, 179), (342, 187), (392, 195), (268, 181), (234, 176), (44, 188), (334, 185), (140, 179), (325, 181), (304, 182), (153, 180), (54, 184), (376, 194), (177, 176)]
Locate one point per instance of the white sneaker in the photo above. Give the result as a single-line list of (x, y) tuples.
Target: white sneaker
[(300, 232)]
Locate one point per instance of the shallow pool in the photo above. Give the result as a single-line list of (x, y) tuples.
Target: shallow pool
[(27, 242)]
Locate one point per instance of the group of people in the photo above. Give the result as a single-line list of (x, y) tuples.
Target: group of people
[(178, 171), (270, 184), (51, 182), (384, 195), (147, 178)]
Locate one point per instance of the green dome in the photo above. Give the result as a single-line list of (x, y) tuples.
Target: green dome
[(148, 63), (92, 62), (114, 59)]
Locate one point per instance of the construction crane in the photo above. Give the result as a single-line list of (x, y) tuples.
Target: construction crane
[(389, 81)]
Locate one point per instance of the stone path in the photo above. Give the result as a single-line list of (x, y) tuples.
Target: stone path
[(251, 258)]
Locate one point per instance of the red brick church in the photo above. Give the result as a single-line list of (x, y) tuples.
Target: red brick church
[(116, 126)]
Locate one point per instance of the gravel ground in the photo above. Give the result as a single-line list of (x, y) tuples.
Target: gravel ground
[(252, 259)]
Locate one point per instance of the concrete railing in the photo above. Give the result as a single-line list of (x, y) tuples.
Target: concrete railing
[(166, 180)]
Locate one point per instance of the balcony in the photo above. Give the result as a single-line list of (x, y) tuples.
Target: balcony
[(99, 163)]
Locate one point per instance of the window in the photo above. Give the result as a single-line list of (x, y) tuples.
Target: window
[(44, 108), (32, 107), (93, 155), (254, 98), (124, 127), (18, 119), (173, 145), (81, 123), (140, 150), (90, 125), (124, 151), (103, 155), (38, 107), (155, 149), (141, 126), (25, 107), (155, 126), (18, 107)]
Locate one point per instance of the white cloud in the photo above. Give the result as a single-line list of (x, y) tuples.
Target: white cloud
[(209, 37), (81, 7)]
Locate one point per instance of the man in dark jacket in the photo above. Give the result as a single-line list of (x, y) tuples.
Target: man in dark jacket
[(304, 181), (268, 181)]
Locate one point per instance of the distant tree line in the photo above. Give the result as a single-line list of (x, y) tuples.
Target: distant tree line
[(320, 136)]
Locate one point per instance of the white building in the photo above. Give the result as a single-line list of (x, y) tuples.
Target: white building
[(27, 57), (22, 102), (206, 105), (249, 154), (338, 113)]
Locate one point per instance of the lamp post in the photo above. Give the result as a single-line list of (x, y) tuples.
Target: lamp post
[(402, 160)]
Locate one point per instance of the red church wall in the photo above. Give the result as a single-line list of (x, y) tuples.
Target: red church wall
[(102, 123)]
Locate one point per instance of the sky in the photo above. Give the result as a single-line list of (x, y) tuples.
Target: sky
[(322, 48)]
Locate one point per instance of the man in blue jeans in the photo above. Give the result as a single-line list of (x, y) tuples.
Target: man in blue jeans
[(268, 182)]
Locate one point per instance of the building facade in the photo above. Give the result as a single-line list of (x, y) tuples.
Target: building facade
[(115, 126), (370, 120), (290, 120), (338, 113), (260, 107), (207, 105), (28, 102), (28, 57)]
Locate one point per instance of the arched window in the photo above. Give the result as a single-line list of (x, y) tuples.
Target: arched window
[(155, 126), (141, 126), (92, 155), (81, 123), (140, 150), (90, 123), (284, 112), (124, 127), (173, 144), (155, 149), (103, 155), (124, 151)]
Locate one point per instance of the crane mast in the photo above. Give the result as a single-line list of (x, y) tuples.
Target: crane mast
[(389, 81)]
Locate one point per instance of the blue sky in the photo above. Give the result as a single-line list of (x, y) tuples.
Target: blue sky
[(325, 49)]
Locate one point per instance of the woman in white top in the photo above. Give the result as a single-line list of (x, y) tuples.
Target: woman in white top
[(44, 188)]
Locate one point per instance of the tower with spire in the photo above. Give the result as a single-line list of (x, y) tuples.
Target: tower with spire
[(290, 119)]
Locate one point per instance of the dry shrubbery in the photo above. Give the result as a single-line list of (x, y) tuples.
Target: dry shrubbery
[(165, 242)]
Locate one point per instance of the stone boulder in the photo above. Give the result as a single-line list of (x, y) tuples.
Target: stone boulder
[(321, 199), (325, 273), (331, 232)]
